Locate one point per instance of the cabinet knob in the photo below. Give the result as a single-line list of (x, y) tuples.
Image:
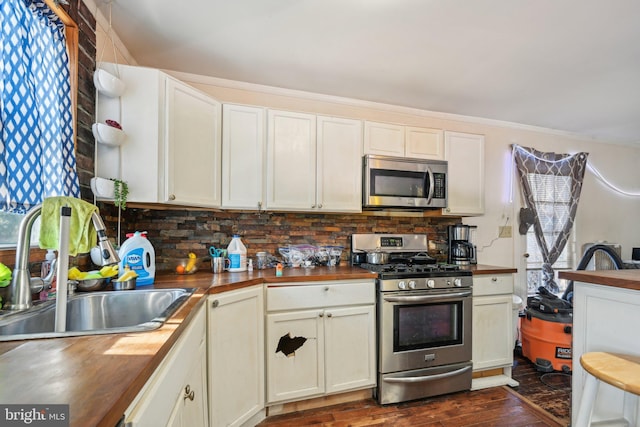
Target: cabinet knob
[(172, 196), (320, 206), (329, 315), (188, 393), (321, 315), (494, 279), (326, 289), (215, 303), (313, 206)]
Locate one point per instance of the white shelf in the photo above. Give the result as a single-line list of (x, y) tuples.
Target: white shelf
[(108, 135), (103, 188), (108, 84)]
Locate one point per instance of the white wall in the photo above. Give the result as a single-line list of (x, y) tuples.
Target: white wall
[(602, 215)]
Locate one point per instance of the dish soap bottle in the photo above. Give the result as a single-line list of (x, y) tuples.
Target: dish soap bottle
[(237, 253), (137, 254)]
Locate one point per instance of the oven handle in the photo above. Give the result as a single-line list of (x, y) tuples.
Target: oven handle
[(427, 298), (428, 377)]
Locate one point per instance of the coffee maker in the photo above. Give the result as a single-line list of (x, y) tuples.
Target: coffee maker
[(461, 250)]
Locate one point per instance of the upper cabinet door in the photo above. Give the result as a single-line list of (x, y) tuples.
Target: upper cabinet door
[(465, 178), (193, 146), (383, 139), (339, 163), (291, 161), (243, 154), (424, 143)]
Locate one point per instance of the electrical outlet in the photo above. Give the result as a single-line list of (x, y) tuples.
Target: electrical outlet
[(504, 231)]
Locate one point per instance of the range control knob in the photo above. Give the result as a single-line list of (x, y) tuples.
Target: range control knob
[(457, 282), (402, 285), (412, 284), (431, 283)]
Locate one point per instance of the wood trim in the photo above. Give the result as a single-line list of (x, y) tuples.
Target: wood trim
[(71, 33)]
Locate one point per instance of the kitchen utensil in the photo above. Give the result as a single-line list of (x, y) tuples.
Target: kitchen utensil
[(125, 285), (215, 253), (219, 264), (377, 257), (90, 285)]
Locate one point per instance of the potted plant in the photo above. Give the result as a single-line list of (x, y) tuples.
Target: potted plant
[(120, 193)]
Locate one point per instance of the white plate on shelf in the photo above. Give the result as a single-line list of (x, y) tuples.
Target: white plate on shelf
[(108, 84), (108, 135)]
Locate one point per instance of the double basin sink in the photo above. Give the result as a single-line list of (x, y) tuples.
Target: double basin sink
[(96, 313)]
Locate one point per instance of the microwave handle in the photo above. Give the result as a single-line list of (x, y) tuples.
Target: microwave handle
[(430, 196)]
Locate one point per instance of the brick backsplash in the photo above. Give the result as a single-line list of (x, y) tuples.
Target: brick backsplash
[(175, 233)]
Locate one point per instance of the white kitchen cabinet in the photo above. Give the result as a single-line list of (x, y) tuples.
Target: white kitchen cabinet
[(387, 139), (320, 339), (172, 150), (339, 164), (236, 357), (313, 163), (464, 153), (243, 154), (176, 393), (492, 330)]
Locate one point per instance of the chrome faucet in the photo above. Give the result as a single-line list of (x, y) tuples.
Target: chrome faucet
[(22, 284)]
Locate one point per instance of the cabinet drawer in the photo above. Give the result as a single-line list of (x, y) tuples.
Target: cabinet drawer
[(493, 284), (302, 295)]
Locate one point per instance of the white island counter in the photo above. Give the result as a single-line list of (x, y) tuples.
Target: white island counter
[(606, 317)]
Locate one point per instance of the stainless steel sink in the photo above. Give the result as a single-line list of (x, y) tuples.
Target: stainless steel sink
[(96, 313)]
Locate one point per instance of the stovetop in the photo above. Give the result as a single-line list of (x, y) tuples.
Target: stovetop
[(401, 271)]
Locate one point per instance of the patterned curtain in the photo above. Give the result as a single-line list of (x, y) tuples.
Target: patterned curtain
[(37, 158), (551, 184)]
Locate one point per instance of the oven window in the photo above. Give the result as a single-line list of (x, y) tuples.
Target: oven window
[(427, 326), (398, 183)]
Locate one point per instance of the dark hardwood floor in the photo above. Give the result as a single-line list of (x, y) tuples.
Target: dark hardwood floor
[(537, 402)]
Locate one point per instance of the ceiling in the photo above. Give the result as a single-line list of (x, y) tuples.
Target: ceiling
[(569, 65)]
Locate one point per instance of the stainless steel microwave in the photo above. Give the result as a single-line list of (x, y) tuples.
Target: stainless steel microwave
[(403, 183)]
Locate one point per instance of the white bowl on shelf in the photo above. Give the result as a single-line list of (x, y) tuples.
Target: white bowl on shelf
[(103, 188), (107, 83), (108, 135)]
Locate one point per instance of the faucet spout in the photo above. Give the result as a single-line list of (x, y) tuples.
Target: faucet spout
[(22, 284), (20, 289)]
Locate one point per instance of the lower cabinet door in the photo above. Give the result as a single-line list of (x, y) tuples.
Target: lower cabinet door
[(236, 356), (349, 348), (190, 409), (492, 332), (295, 355)]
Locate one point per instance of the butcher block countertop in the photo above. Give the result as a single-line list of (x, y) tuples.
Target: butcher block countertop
[(100, 375), (626, 278), (482, 269)]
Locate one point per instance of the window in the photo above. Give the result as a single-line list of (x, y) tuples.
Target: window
[(552, 195), (9, 222)]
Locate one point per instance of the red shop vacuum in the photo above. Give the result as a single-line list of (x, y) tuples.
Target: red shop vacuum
[(546, 329)]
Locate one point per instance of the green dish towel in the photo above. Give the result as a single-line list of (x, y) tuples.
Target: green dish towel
[(82, 234)]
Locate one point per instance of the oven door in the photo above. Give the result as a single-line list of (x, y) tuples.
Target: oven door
[(423, 329), (398, 182)]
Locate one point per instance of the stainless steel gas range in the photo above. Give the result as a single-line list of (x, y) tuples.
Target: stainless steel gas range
[(423, 318)]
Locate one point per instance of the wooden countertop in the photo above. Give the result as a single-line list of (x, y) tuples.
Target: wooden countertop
[(626, 278), (100, 375), (482, 269)]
